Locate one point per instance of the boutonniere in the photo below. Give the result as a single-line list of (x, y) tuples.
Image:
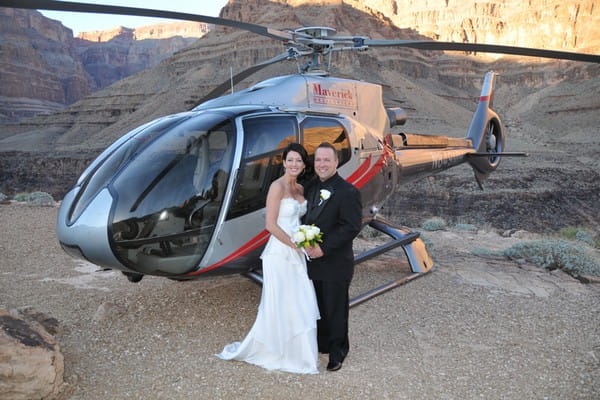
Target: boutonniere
[(324, 195)]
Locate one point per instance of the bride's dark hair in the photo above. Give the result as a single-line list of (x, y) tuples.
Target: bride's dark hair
[(308, 169)]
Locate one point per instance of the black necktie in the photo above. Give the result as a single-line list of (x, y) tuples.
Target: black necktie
[(317, 198)]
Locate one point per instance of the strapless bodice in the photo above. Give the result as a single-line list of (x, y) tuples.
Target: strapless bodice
[(290, 211)]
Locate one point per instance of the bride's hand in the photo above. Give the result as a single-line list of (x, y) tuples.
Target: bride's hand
[(315, 251)]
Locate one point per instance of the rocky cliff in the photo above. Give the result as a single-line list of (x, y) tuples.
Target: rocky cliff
[(184, 29), (113, 55), (40, 68), (550, 24), (44, 68), (550, 108)]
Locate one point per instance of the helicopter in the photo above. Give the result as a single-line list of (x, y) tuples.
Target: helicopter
[(183, 196)]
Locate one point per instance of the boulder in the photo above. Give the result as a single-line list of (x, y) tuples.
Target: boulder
[(31, 363)]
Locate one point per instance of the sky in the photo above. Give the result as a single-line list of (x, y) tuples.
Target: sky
[(83, 22)]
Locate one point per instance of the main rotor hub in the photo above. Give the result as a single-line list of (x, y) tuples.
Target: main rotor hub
[(317, 32), (316, 41)]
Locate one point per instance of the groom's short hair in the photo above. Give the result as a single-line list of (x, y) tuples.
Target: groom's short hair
[(327, 145)]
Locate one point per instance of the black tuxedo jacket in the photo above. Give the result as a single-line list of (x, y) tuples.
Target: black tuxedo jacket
[(340, 220)]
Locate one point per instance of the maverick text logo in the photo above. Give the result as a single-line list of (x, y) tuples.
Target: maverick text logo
[(332, 97)]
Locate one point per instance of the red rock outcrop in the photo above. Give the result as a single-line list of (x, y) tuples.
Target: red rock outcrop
[(551, 103), (44, 68), (185, 29), (549, 24), (116, 54), (40, 68)]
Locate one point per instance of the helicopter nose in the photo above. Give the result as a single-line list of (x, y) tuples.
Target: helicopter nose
[(87, 236)]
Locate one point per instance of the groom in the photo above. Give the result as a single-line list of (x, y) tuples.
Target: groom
[(334, 206)]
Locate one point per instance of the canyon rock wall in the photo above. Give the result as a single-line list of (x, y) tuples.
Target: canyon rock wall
[(549, 108), (40, 68), (45, 68), (109, 56), (185, 29), (124, 54), (549, 24)]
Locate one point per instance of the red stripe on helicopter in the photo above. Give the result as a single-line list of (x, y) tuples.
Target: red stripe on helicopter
[(377, 167), (263, 236), (484, 98), (360, 171), (252, 244)]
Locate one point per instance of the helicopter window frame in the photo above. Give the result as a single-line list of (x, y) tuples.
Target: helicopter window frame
[(344, 152), (257, 170), (111, 161)]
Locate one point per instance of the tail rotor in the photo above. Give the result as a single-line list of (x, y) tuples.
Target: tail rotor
[(486, 134)]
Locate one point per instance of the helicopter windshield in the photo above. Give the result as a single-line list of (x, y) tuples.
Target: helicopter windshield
[(169, 196)]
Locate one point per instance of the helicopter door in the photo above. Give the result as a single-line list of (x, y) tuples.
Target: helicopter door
[(168, 196), (264, 141), (316, 130)]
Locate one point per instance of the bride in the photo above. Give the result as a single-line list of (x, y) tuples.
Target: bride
[(284, 334)]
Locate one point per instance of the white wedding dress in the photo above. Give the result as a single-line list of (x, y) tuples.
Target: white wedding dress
[(284, 334)]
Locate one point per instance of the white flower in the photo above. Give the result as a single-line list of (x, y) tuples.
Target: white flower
[(307, 235), (324, 194), (299, 237)]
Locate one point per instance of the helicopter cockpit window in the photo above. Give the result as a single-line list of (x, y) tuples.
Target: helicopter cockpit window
[(169, 197), (318, 130), (264, 140), (115, 158)]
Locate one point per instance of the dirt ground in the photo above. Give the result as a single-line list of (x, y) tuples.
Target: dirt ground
[(472, 328)]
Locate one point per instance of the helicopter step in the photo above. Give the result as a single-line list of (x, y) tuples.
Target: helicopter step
[(413, 246)]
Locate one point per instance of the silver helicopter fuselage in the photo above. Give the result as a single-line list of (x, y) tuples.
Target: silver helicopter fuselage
[(123, 212), (183, 196)]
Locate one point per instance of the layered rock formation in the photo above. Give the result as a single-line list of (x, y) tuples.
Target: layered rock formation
[(40, 69), (184, 29), (549, 24), (109, 56), (543, 103), (44, 68), (116, 54)]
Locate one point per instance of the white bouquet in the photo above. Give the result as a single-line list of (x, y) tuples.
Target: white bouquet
[(307, 236)]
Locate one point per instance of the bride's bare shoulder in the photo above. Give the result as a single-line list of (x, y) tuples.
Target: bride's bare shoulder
[(277, 188)]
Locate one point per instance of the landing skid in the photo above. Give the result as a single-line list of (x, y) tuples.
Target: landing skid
[(414, 248)]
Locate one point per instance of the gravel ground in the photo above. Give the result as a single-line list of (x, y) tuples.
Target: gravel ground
[(472, 328)]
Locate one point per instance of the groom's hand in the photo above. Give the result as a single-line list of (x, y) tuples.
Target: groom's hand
[(314, 252)]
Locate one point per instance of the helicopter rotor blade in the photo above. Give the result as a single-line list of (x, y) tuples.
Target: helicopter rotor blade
[(477, 47), (222, 88), (360, 42), (314, 43), (144, 12)]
